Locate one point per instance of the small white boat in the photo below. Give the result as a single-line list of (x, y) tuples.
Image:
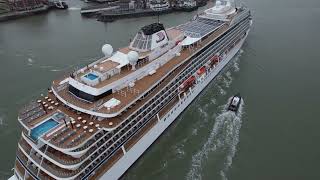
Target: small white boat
[(235, 103)]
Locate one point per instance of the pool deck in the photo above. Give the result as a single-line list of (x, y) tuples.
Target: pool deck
[(43, 128), (91, 76)]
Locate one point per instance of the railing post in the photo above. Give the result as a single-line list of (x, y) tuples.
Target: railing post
[(158, 117), (123, 149)]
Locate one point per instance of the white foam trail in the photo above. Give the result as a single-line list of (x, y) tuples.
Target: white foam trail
[(213, 101), (74, 8), (237, 59), (236, 66), (195, 132), (224, 136), (203, 112), (232, 140), (45, 67), (55, 70), (222, 91), (30, 60), (227, 82), (179, 149), (2, 120), (229, 76)]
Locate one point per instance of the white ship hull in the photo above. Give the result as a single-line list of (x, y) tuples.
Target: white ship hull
[(124, 163)]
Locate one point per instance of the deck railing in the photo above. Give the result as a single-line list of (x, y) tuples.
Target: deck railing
[(120, 141)]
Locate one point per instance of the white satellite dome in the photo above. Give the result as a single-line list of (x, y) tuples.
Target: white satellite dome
[(133, 58), (107, 50)]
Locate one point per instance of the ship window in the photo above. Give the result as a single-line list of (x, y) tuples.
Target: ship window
[(86, 96)]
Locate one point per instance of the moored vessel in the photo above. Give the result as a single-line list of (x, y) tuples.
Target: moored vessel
[(98, 120)]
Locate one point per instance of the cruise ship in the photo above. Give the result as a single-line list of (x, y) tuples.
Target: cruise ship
[(96, 121)]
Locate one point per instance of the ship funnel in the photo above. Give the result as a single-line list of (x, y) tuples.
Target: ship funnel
[(133, 57), (149, 38), (107, 50)]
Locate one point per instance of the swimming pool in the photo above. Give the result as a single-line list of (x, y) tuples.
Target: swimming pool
[(43, 128), (91, 76)]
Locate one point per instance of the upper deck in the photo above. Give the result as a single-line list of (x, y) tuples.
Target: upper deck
[(78, 132), (128, 86), (66, 137), (87, 118)]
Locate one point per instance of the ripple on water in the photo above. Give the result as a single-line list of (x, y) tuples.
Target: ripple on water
[(222, 91), (55, 70), (1, 121), (30, 61), (237, 59), (74, 8)]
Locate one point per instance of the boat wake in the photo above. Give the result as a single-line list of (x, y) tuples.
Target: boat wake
[(30, 61), (236, 67), (74, 8), (227, 80), (179, 149), (1, 121), (223, 139), (55, 68)]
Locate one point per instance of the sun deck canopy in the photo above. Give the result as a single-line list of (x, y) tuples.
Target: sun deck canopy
[(189, 40), (120, 58), (199, 27)]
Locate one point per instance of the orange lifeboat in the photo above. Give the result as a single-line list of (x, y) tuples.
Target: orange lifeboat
[(214, 60), (187, 83), (201, 71)]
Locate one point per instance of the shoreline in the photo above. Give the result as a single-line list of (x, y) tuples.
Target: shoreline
[(110, 16), (19, 14)]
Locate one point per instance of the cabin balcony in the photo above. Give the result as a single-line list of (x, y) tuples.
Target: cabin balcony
[(19, 169), (64, 158)]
